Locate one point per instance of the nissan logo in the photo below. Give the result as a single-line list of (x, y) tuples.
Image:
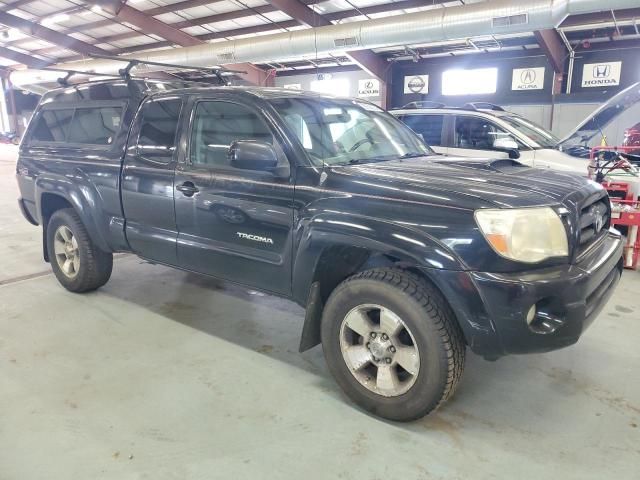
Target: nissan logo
[(601, 71), (416, 84), (528, 76)]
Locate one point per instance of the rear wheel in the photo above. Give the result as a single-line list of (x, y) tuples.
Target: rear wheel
[(78, 264), (392, 343)]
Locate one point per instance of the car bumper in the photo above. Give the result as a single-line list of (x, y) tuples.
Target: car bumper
[(25, 212), (492, 308)]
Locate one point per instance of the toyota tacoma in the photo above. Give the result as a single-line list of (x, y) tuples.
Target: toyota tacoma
[(402, 258)]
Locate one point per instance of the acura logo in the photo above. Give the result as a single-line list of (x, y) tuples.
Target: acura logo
[(601, 71), (528, 76)]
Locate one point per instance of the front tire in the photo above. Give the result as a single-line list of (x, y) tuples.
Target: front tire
[(78, 264), (392, 343)]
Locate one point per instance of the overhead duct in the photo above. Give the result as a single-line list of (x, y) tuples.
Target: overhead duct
[(464, 21)]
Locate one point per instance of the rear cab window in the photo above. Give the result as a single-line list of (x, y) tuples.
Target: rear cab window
[(77, 125)]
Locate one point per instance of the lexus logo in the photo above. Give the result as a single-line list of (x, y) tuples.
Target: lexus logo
[(416, 84), (528, 76), (601, 71), (368, 84)]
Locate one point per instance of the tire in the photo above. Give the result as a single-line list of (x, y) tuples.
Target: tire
[(429, 344), (89, 267)]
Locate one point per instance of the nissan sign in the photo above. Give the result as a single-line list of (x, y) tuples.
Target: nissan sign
[(416, 84), (528, 79), (603, 74)]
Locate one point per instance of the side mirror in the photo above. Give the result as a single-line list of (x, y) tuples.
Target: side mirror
[(252, 155), (507, 144)]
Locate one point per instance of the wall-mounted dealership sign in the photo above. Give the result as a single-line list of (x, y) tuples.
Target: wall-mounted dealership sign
[(369, 87), (528, 79), (601, 74), (416, 84)]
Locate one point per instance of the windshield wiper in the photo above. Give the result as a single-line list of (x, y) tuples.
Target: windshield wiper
[(415, 155)]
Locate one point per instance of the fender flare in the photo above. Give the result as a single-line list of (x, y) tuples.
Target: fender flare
[(352, 243), (83, 198)]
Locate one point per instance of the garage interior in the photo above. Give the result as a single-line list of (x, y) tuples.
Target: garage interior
[(168, 374)]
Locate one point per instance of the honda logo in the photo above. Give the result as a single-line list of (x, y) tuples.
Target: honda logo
[(602, 74), (601, 71)]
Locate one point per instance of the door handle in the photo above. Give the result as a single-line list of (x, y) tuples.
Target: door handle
[(188, 189)]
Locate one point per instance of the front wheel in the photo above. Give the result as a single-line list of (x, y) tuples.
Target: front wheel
[(392, 343), (78, 264)]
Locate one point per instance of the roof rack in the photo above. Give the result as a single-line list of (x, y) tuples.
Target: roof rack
[(217, 71), (424, 104), (483, 106)]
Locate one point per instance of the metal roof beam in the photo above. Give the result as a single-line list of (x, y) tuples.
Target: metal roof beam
[(366, 59), (24, 59), (51, 36), (235, 14), (553, 47), (147, 24)]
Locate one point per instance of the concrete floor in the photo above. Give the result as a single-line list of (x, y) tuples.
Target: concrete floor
[(167, 375)]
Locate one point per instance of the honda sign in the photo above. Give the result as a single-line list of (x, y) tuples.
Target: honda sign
[(603, 74)]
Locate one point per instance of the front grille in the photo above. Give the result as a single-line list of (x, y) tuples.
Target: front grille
[(594, 222)]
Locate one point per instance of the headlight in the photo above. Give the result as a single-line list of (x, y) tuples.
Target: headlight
[(525, 235)]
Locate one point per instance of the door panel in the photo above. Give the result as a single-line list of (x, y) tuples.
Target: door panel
[(237, 226), (147, 181)]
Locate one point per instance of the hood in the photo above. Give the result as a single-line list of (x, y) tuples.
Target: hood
[(595, 123), (469, 184)]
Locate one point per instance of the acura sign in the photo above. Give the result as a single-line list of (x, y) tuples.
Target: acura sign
[(528, 79), (601, 74)]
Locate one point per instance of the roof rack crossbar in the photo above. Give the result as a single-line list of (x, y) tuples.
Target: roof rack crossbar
[(217, 70), (483, 106), (424, 104)]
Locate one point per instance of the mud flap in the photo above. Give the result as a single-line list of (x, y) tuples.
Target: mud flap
[(311, 329)]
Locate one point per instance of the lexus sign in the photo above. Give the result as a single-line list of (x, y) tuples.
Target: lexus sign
[(603, 74), (528, 79), (369, 87)]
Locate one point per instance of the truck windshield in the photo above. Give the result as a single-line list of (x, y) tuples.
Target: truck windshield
[(538, 134), (339, 132)]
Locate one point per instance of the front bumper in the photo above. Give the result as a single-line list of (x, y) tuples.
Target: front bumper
[(492, 308), (25, 212)]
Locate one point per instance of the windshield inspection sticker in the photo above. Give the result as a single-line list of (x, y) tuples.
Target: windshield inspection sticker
[(528, 79), (601, 74), (416, 84)]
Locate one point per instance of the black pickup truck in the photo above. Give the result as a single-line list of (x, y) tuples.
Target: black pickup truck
[(402, 258)]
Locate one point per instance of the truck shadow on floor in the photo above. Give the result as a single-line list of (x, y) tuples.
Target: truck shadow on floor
[(271, 326)]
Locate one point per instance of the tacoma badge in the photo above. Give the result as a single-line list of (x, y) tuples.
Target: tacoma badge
[(255, 238)]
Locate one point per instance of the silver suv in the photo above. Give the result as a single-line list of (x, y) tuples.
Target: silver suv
[(485, 130)]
